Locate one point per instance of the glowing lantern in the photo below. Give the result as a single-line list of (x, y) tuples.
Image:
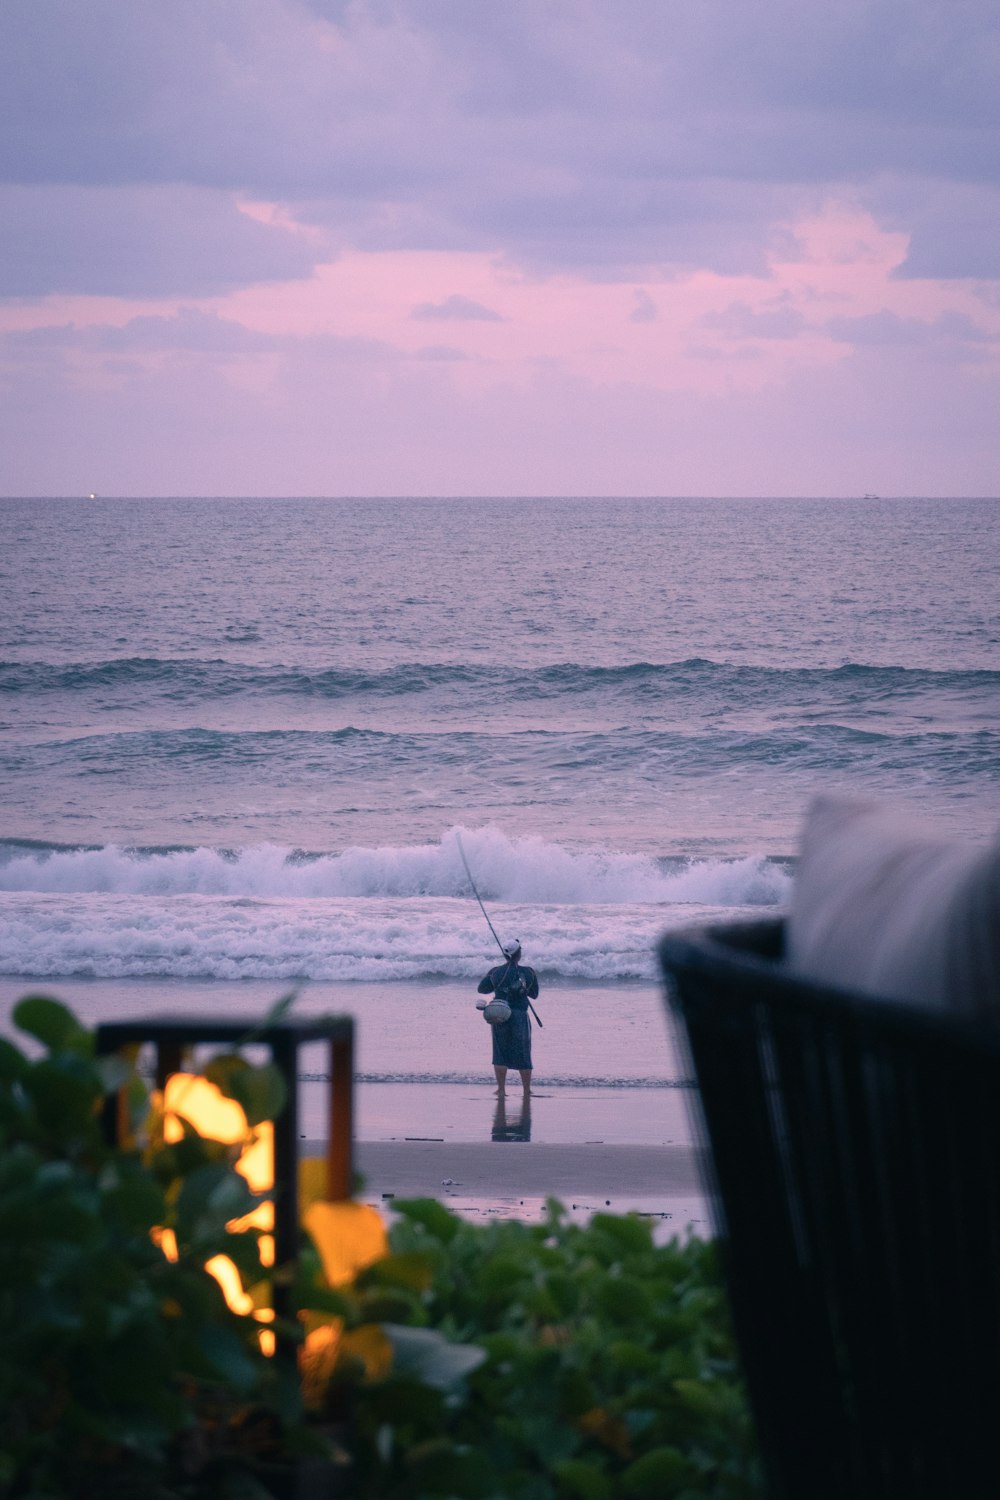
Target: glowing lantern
[(270, 1156)]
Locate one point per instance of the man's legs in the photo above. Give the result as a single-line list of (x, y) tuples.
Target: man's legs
[(525, 1079), (501, 1078)]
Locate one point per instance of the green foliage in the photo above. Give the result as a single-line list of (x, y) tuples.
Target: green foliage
[(122, 1373), (607, 1366), (544, 1362), (51, 1023), (259, 1090)]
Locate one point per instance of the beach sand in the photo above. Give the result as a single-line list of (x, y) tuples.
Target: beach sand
[(594, 1149), (514, 1179)]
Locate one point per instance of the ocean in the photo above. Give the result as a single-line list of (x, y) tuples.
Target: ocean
[(240, 740)]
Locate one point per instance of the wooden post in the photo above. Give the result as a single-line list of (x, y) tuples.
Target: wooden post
[(340, 1142)]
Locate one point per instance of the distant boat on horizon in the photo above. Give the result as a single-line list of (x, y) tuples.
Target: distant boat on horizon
[(864, 497)]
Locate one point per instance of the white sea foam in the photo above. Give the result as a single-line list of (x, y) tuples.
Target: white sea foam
[(46, 935), (518, 870)]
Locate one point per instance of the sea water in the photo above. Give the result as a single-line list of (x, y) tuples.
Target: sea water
[(241, 740)]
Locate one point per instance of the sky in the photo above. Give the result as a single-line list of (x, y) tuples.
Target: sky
[(488, 247)]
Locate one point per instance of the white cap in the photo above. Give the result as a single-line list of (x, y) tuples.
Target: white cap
[(511, 949)]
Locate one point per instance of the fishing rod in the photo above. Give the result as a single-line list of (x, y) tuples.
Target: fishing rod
[(486, 914)]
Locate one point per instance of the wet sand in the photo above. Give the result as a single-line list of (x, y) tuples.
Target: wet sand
[(616, 1150), (514, 1178)]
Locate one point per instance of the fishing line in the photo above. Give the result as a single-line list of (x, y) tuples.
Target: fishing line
[(486, 914)]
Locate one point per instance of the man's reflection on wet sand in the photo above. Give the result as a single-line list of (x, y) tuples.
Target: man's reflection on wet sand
[(515, 1126)]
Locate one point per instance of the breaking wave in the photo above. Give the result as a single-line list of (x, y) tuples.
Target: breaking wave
[(506, 869), (363, 914)]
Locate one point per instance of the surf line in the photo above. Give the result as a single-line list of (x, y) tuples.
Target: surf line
[(482, 908)]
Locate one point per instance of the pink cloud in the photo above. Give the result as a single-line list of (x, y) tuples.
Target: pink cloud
[(330, 385)]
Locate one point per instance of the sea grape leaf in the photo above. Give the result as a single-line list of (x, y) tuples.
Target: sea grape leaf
[(64, 1089), (114, 1071), (227, 1354), (212, 1195), (609, 1430), (261, 1091), (223, 1070), (406, 1268), (388, 1305), (431, 1214), (580, 1480), (405, 1403), (501, 1274), (372, 1346), (707, 1399), (348, 1237), (193, 1151), (430, 1358), (324, 1299), (136, 1195), (628, 1231), (439, 1467), (13, 1063), (243, 1249), (137, 1102), (660, 1472), (564, 1289), (629, 1357), (52, 1023), (624, 1299)]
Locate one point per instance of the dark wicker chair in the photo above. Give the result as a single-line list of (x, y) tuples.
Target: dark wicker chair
[(855, 1152)]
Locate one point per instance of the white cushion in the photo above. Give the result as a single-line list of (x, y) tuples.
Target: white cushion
[(884, 907)]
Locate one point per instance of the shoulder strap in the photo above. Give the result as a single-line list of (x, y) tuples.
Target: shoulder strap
[(511, 975)]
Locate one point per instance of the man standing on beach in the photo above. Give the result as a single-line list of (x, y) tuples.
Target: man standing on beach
[(518, 985)]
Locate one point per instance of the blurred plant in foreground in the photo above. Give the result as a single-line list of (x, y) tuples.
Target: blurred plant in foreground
[(443, 1359)]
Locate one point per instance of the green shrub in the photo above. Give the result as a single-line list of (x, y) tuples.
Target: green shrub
[(122, 1372), (547, 1362), (609, 1370)]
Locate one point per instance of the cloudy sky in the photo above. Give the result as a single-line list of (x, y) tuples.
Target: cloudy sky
[(310, 247)]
